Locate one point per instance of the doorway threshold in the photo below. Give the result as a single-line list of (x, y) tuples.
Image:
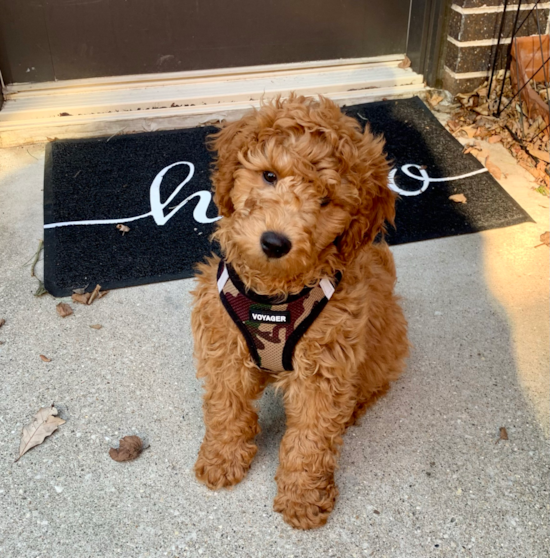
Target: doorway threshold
[(39, 112)]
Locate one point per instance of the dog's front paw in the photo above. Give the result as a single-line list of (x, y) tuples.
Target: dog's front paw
[(222, 465), (305, 502)]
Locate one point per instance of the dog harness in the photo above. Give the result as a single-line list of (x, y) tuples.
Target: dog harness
[(270, 327)]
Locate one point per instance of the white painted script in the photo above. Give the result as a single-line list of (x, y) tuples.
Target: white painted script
[(157, 207), (422, 177), (205, 197)]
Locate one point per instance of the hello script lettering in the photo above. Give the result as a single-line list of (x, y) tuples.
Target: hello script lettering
[(205, 197)]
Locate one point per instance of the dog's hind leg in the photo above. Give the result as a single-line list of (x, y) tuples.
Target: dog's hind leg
[(366, 401)]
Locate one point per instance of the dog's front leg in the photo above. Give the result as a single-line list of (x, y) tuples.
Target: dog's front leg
[(231, 424), (318, 409)]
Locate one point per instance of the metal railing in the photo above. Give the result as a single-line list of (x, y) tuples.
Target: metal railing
[(498, 83)]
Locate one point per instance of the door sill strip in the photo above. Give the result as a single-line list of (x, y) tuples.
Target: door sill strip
[(127, 104)]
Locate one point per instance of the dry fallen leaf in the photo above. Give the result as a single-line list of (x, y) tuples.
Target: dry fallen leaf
[(2, 322), (129, 448), (81, 298), (96, 326), (493, 169), (405, 63), (80, 291), (524, 136), (44, 423), (453, 125), (123, 229), (470, 149), (503, 434), (545, 239), (94, 293), (458, 198), (64, 309), (482, 155), (539, 154), (470, 131), (88, 298), (45, 358), (40, 290), (435, 99)]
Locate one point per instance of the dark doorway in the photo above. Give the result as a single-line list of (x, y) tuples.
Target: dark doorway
[(46, 40)]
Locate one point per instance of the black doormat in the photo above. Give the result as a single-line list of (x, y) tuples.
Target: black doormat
[(157, 184)]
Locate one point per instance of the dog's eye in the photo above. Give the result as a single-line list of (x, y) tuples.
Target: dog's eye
[(325, 201), (270, 177)]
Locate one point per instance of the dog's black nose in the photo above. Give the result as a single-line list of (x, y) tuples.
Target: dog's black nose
[(275, 245)]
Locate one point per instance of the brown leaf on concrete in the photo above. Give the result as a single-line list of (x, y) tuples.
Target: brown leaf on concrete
[(88, 298), (45, 358), (81, 298), (545, 239), (482, 132), (530, 169), (80, 291), (96, 326), (2, 322), (495, 139), (470, 131), (482, 109), (64, 309), (44, 423), (129, 448), (458, 198), (405, 63), (435, 99), (503, 434), (453, 125), (481, 155), (493, 169), (94, 294)]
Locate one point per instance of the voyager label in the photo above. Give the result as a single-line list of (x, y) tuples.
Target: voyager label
[(269, 316)]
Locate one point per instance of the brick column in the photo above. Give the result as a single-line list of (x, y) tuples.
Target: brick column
[(472, 37)]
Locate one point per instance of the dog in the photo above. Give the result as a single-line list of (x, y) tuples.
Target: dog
[(303, 194)]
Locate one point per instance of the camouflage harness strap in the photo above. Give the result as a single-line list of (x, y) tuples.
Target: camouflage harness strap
[(272, 328)]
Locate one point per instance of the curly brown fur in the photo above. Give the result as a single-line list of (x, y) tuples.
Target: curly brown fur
[(331, 199)]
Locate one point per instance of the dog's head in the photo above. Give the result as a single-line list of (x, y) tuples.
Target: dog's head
[(300, 188)]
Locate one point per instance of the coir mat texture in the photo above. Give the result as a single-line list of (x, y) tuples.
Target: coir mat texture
[(157, 185)]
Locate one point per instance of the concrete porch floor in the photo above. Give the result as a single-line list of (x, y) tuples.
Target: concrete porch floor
[(420, 477)]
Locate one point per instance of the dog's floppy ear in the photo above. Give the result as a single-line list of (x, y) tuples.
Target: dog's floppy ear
[(228, 142), (368, 172)]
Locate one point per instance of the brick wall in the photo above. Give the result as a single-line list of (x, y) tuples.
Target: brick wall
[(473, 29)]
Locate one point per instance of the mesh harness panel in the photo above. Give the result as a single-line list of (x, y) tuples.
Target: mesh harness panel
[(272, 328)]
